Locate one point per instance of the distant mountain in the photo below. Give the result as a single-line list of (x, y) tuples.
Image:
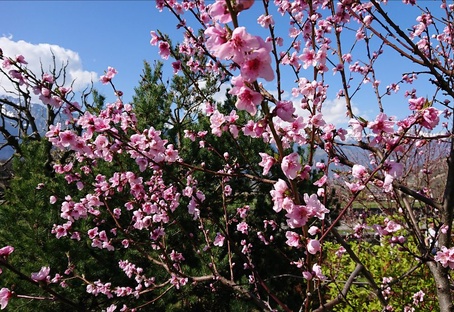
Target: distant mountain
[(39, 112)]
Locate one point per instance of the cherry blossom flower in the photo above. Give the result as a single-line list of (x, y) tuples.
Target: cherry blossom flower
[(278, 194), (320, 182), (313, 230), (242, 227), (357, 129), (154, 38), (41, 275), (308, 57), (293, 239), (267, 162), (313, 246), (285, 110), (416, 103), (111, 72), (265, 20), (164, 49), (5, 295), (242, 5), (445, 257), (297, 215), (238, 46), (216, 37), (359, 172), (291, 165), (18, 76), (257, 64), (339, 253), (392, 170), (6, 251), (21, 59), (316, 273), (392, 227), (219, 12), (111, 308), (418, 297), (219, 240), (247, 99), (381, 124), (315, 206), (429, 118)]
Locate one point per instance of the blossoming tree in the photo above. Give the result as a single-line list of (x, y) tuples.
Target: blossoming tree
[(170, 230)]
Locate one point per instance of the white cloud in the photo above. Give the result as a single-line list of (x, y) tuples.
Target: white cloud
[(335, 111), (220, 95), (40, 57)]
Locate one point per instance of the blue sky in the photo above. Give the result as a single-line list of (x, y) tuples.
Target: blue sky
[(93, 35), (102, 33)]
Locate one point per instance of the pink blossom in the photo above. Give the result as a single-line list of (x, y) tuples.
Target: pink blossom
[(359, 172), (7, 62), (20, 59), (291, 165), (392, 170), (242, 227), (267, 162), (5, 295), (380, 230), (307, 275), (278, 194), (164, 49), (297, 215), (216, 121), (392, 227), (257, 64), (293, 239), (354, 187), (6, 251), (41, 275), (216, 37), (111, 72), (418, 297), (219, 240), (238, 45), (154, 38), (313, 230), (317, 120), (417, 103), (357, 129), (317, 209), (313, 246), (247, 100), (111, 308), (381, 124), (317, 270), (429, 118), (219, 12), (265, 20), (445, 257), (341, 133), (340, 251), (320, 182), (316, 273), (308, 57), (285, 110), (242, 5), (17, 75)]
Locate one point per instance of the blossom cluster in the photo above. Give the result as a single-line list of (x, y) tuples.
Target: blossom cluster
[(149, 193)]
